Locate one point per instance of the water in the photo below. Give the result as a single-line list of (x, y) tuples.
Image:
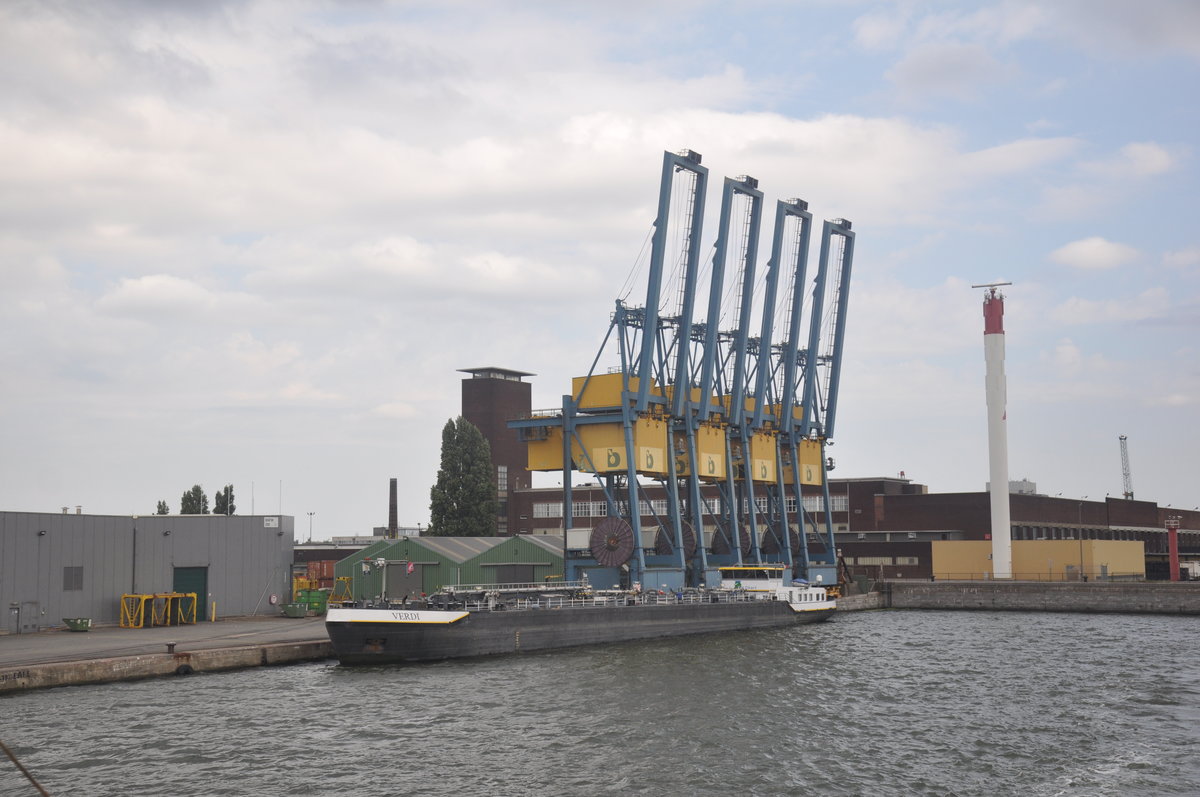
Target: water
[(880, 703)]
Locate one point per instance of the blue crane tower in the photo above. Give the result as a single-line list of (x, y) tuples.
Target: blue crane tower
[(726, 427)]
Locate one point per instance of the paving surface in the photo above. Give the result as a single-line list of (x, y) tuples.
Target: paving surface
[(45, 647)]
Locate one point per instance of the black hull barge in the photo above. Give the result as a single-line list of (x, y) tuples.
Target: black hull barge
[(496, 622)]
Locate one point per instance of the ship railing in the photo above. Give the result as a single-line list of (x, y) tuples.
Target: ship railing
[(610, 598), (528, 586)]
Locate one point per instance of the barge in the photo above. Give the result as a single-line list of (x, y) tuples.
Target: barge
[(485, 620)]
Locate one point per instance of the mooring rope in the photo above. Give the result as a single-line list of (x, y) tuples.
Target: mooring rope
[(24, 771)]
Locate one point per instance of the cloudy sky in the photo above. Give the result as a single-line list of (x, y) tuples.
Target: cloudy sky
[(251, 242)]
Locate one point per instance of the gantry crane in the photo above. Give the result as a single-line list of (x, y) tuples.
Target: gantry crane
[(1126, 477), (729, 425)]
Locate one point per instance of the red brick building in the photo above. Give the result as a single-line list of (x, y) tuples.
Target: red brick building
[(492, 397)]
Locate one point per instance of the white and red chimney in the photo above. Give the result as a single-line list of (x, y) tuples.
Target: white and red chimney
[(997, 417)]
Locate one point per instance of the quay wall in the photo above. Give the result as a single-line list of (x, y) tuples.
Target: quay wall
[(858, 603), (155, 665), (1153, 597)]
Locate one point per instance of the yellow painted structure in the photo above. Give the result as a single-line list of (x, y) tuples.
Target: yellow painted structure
[(710, 453), (604, 444), (727, 403), (763, 460), (776, 411), (669, 392), (1041, 560), (546, 454), (163, 608), (810, 464), (604, 390)]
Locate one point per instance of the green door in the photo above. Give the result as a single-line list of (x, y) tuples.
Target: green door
[(194, 579)]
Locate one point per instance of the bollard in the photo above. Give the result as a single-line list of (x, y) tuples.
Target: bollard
[(171, 647)]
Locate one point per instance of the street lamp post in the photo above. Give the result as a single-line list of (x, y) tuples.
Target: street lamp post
[(310, 515)]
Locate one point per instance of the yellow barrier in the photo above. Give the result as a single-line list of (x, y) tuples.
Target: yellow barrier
[(166, 608)]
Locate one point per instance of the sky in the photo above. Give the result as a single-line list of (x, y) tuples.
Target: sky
[(251, 243)]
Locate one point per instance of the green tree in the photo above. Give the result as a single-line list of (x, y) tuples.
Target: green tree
[(463, 501), (194, 502), (163, 509), (223, 501)]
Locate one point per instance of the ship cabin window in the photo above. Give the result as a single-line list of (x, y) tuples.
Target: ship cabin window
[(751, 576)]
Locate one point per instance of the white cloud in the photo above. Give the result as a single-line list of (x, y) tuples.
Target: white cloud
[(1102, 27), (1054, 87), (160, 297), (1173, 400), (892, 319), (1183, 258), (396, 409), (1019, 156), (1074, 372), (1066, 354), (1137, 159), (259, 355), (946, 70), (1151, 303), (879, 30), (157, 294), (1094, 253), (1072, 201), (1111, 27)]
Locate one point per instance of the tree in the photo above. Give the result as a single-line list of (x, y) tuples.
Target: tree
[(223, 501), (163, 509), (463, 501), (194, 502)]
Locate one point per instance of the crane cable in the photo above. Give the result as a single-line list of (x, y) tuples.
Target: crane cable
[(627, 285)]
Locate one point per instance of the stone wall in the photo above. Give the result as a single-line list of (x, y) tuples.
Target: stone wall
[(1135, 597), (129, 668)]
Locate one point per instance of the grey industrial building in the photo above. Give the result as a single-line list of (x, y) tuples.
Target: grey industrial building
[(55, 566)]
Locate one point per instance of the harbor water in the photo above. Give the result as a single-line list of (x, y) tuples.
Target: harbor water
[(879, 703)]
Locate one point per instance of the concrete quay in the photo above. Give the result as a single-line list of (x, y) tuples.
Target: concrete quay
[(1128, 597), (105, 654)]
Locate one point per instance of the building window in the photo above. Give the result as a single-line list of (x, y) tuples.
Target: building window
[(815, 504), (72, 578), (548, 510), (502, 478), (874, 560), (907, 560), (657, 507)]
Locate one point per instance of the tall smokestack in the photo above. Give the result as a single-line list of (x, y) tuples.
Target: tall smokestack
[(997, 415), (393, 524)]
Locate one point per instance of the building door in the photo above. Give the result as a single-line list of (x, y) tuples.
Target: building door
[(24, 617), (400, 582), (513, 574), (194, 579)]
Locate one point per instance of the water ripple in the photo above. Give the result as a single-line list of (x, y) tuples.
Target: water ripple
[(880, 703)]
